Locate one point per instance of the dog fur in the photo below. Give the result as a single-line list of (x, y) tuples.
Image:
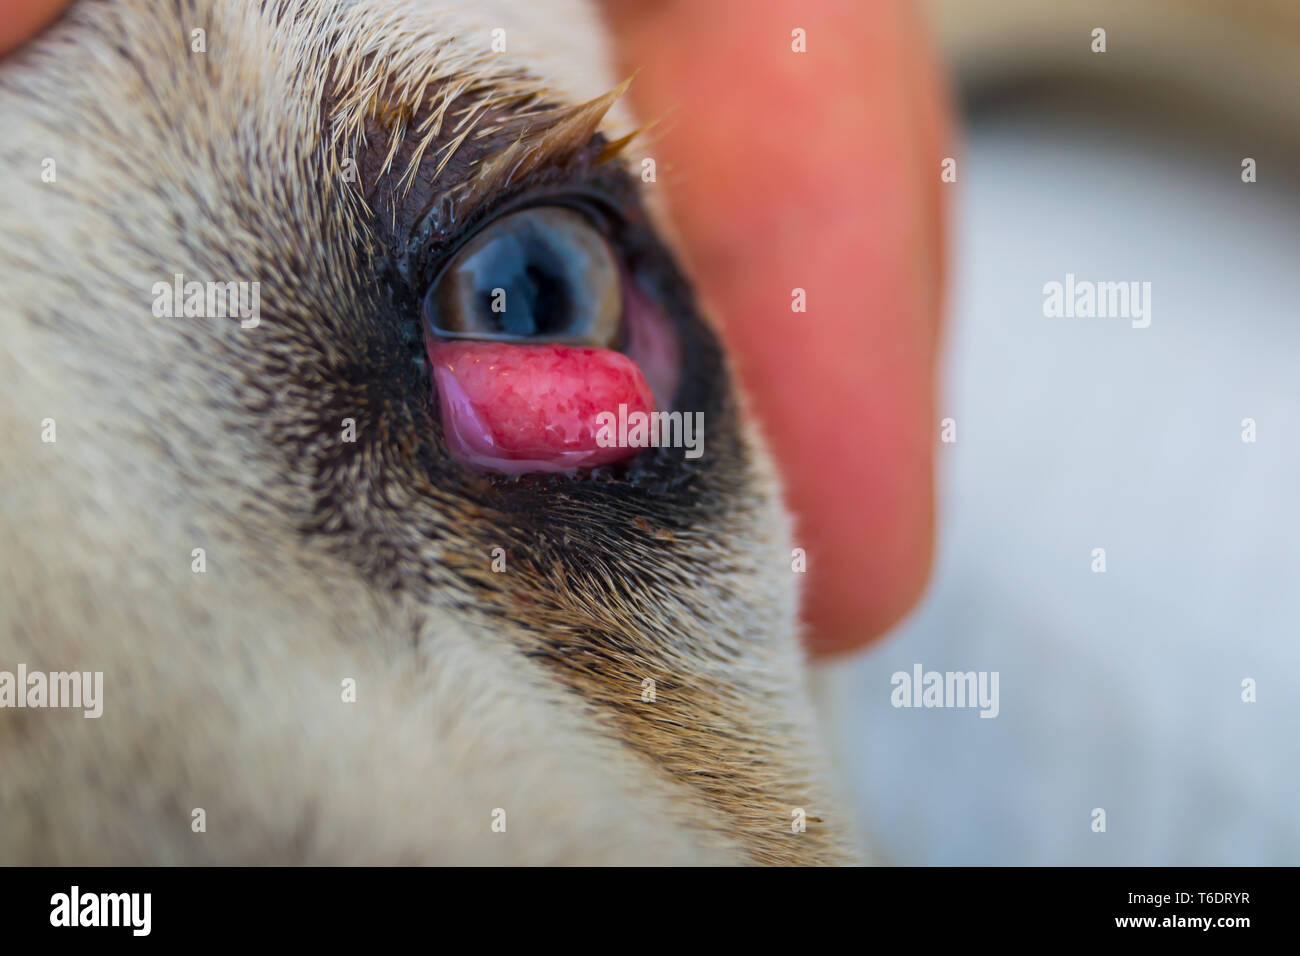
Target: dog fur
[(475, 691)]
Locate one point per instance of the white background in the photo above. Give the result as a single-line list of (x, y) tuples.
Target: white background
[(1119, 690)]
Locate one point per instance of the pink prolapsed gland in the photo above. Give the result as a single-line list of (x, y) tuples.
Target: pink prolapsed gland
[(526, 408)]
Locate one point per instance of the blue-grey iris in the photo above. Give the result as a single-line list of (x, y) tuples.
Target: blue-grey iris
[(543, 274)]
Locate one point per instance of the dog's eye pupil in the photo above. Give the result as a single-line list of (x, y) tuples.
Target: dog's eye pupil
[(543, 274), (532, 275)]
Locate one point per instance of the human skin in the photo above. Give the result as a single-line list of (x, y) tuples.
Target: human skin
[(23, 19), (819, 171)]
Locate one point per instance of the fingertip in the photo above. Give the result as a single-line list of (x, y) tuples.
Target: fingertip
[(20, 20)]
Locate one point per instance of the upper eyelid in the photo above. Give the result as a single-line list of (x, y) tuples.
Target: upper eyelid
[(408, 164), (546, 139), (602, 194), (603, 209)]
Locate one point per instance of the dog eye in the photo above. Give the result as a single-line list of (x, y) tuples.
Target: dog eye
[(544, 274)]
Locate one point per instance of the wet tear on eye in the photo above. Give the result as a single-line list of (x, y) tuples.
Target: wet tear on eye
[(515, 409)]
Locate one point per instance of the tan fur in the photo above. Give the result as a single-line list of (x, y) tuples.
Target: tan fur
[(476, 691)]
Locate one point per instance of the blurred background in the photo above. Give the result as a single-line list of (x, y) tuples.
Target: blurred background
[(1120, 690)]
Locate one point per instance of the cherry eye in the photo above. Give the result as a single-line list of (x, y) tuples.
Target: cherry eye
[(537, 333), (543, 275)]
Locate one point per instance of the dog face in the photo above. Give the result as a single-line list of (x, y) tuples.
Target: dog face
[(315, 623)]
